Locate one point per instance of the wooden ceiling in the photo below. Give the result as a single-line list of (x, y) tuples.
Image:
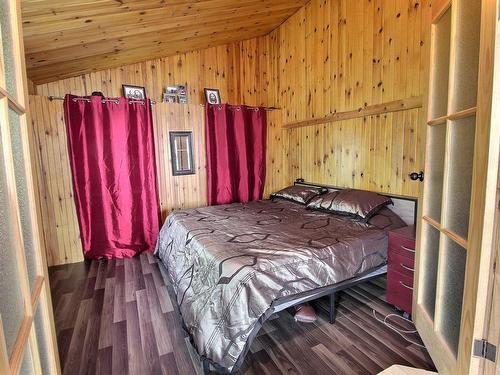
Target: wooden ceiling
[(65, 38)]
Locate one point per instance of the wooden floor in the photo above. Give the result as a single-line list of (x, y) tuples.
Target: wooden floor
[(117, 317)]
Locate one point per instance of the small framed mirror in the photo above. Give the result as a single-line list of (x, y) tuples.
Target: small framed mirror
[(181, 151)]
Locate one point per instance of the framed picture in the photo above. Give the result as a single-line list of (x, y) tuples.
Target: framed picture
[(169, 98), (172, 90), (134, 92), (182, 94), (176, 94), (212, 96), (181, 90)]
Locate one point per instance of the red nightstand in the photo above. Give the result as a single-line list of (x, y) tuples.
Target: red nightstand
[(401, 265)]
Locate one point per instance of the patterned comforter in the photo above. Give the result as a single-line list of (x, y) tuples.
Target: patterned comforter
[(229, 263)]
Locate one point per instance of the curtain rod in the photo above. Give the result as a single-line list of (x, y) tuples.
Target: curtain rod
[(267, 109), (52, 97)]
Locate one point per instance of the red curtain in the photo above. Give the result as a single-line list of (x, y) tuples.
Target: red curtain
[(111, 151), (236, 153)]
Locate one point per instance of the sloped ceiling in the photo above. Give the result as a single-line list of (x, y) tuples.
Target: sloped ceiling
[(65, 38)]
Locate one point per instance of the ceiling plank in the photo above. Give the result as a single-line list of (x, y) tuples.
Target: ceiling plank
[(166, 14), (72, 68), (162, 38), (65, 38), (59, 38), (57, 13)]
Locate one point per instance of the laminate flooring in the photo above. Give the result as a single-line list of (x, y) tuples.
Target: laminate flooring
[(119, 317)]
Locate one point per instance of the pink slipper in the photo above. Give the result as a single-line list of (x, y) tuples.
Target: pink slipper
[(304, 313)]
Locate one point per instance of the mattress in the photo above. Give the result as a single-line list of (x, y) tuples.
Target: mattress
[(228, 263)]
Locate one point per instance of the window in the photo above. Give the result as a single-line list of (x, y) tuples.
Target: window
[(181, 151)]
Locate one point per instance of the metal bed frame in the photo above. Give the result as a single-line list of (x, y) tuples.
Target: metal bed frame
[(332, 290), (283, 303)]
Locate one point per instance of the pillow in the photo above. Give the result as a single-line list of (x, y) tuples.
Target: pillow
[(386, 219), (350, 202), (298, 193), (323, 202)]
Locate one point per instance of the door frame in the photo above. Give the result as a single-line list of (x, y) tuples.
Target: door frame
[(478, 278), (38, 297), (487, 321)]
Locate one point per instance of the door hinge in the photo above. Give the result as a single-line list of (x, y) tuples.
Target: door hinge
[(484, 349)]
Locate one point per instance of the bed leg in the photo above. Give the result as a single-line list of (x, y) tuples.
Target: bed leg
[(332, 308), (206, 367)]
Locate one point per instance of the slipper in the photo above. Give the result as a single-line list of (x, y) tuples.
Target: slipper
[(304, 313)]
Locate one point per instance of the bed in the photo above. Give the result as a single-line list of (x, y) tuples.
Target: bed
[(233, 266)]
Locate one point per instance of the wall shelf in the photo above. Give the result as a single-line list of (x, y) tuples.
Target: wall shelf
[(454, 116), (369, 110)]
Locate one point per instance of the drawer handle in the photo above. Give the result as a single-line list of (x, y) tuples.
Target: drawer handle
[(406, 267), (406, 286), (407, 249)]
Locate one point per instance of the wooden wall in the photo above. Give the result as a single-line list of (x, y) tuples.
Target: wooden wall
[(238, 70), (60, 223), (61, 230), (177, 192), (340, 55), (331, 56), (59, 220)]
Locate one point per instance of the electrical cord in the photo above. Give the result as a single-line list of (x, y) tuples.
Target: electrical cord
[(399, 331)]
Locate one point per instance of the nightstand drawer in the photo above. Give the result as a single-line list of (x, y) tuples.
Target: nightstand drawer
[(400, 263), (399, 289), (402, 246)]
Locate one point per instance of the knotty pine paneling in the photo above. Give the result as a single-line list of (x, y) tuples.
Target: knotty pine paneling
[(31, 87), (59, 220), (177, 192), (277, 176), (67, 38), (340, 55), (356, 153), (238, 70), (331, 56)]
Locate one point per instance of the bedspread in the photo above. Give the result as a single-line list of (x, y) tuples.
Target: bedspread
[(229, 263)]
